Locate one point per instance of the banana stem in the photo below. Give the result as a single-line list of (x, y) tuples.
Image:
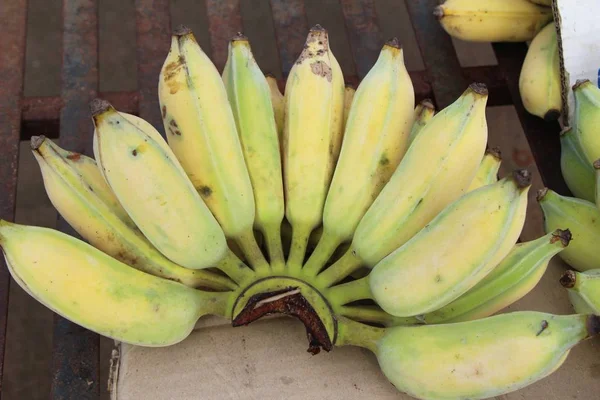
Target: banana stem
[(352, 333), (272, 236), (343, 267), (207, 279), (349, 292), (255, 257), (325, 248), (373, 314), (300, 235), (213, 303), (235, 268)]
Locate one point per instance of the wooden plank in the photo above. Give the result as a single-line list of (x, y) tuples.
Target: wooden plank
[(224, 21), (153, 39), (12, 66), (291, 28), (363, 33), (257, 20), (76, 350)]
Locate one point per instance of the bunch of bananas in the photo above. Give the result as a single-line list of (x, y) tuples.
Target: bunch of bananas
[(514, 21), (376, 222)]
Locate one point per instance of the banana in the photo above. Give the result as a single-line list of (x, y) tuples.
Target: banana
[(454, 141), (583, 289), (488, 169), (547, 3), (314, 96), (576, 170), (277, 100), (163, 203), (517, 274), (375, 140), (82, 197), (250, 99), (349, 93), (202, 132), (445, 259), (583, 220), (597, 181), (539, 81), (424, 111), (94, 290), (492, 20), (587, 117), (472, 360)]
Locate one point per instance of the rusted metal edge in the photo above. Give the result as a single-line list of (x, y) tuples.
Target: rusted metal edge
[(224, 21), (440, 59), (13, 15), (363, 33), (153, 33), (543, 137), (75, 357), (291, 28)]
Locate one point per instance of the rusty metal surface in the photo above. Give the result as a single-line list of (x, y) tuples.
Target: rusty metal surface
[(291, 28), (363, 33), (224, 21), (153, 34), (75, 349), (543, 137), (12, 60), (439, 57)]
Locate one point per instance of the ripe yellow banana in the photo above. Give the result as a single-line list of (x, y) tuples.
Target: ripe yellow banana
[(493, 20), (424, 112), (94, 290), (250, 99), (454, 141), (444, 260), (314, 96), (576, 169), (475, 359), (202, 132), (539, 82), (158, 196), (587, 118), (82, 197), (488, 169), (375, 140), (349, 93), (277, 100), (583, 289), (517, 274), (583, 220)]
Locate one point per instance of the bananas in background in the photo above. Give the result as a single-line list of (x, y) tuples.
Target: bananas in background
[(336, 195)]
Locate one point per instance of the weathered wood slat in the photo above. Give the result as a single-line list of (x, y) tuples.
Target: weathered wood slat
[(291, 28), (224, 21)]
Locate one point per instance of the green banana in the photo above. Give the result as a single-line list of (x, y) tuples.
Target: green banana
[(577, 171), (424, 112), (250, 99), (444, 260), (517, 274), (583, 220), (475, 359), (488, 169), (587, 118), (94, 290), (82, 197), (583, 289), (165, 206), (277, 100)]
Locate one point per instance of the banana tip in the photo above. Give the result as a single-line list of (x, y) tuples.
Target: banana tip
[(318, 28), (479, 88), (394, 42), (597, 164), (564, 235), (495, 152), (541, 194), (551, 115), (181, 30), (579, 83), (568, 279), (36, 141), (99, 106), (522, 177), (438, 12), (239, 37), (428, 103)]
